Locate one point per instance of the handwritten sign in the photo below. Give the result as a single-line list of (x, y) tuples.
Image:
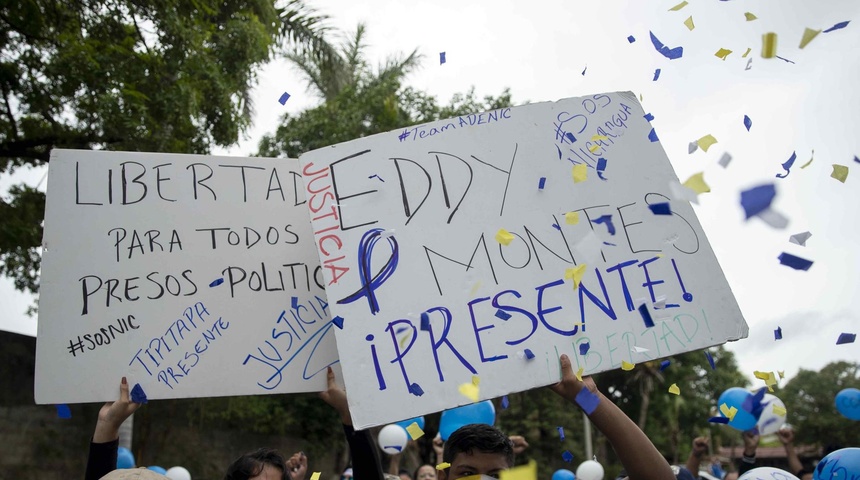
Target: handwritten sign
[(190, 275), (489, 244)]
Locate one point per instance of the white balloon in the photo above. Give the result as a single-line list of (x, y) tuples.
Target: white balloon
[(767, 473), (392, 439), (178, 473), (589, 470), (770, 422)]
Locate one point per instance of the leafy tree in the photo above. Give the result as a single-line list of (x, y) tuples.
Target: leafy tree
[(165, 76), (809, 400)]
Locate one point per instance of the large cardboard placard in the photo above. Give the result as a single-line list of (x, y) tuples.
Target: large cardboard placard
[(193, 276), (407, 222)]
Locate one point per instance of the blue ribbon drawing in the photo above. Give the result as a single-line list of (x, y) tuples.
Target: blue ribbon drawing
[(365, 255)]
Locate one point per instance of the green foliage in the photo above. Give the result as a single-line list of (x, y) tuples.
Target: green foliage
[(165, 76), (809, 400)]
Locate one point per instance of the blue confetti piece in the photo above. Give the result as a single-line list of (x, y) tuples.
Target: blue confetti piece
[(747, 122), (646, 316), (610, 244), (416, 390), (137, 394), (338, 322), (556, 226), (777, 334), (216, 282), (648, 117), (652, 135), (587, 401), (757, 199), (425, 322), (710, 360), (505, 403), (567, 456), (796, 263), (753, 404), (670, 53), (787, 165), (656, 75), (601, 167), (529, 354), (664, 365), (284, 97), (784, 59), (846, 338), (560, 432), (502, 314), (660, 208), (838, 26), (63, 411), (631, 39), (400, 330), (376, 177), (723, 420), (584, 69), (542, 183), (856, 159), (583, 348), (442, 58), (607, 219), (569, 136), (295, 302)]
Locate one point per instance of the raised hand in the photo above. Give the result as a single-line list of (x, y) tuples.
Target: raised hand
[(335, 396), (112, 414)]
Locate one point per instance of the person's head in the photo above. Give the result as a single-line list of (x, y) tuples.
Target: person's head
[(476, 449), (261, 464), (425, 472), (404, 474)]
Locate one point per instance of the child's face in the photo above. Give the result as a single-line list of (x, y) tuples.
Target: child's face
[(475, 463)]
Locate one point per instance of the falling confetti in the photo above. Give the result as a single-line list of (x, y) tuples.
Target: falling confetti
[(673, 389), (504, 237), (747, 122), (768, 45), (838, 26), (670, 53), (689, 23), (750, 16), (840, 172), (808, 35), (696, 183), (723, 53), (705, 142)]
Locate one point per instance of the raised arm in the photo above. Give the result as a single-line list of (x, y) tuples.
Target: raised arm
[(786, 436), (366, 464), (636, 452), (700, 449), (103, 448), (748, 462)]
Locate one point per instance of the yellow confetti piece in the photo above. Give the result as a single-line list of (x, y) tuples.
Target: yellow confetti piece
[(746, 53), (316, 475), (811, 157), (414, 431), (594, 148), (779, 410), (781, 374), (722, 53), (504, 237), (678, 6), (705, 142), (475, 288), (689, 23), (403, 341), (579, 373), (627, 366), (674, 390), (640, 97), (470, 391), (443, 466), (750, 16), (575, 274), (523, 472), (728, 412), (597, 138), (808, 35), (580, 173), (571, 218), (697, 183), (476, 380), (768, 45), (840, 172)]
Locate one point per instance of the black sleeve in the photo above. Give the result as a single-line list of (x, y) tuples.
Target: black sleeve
[(366, 462), (745, 465), (102, 459)]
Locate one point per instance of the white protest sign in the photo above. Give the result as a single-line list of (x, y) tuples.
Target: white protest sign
[(194, 276), (407, 221)]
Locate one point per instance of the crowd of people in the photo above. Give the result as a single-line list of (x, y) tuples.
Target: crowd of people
[(475, 449)]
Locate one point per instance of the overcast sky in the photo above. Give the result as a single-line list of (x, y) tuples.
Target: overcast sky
[(539, 50)]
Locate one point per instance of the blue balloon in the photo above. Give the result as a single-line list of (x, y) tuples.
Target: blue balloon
[(563, 475), (124, 458), (848, 403), (736, 397), (481, 412), (839, 465), (406, 423), (157, 469)]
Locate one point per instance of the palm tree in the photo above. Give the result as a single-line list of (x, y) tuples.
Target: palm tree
[(346, 66)]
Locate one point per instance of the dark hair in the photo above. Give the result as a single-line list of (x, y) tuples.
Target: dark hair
[(403, 471), (251, 464), (415, 474), (480, 437)]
